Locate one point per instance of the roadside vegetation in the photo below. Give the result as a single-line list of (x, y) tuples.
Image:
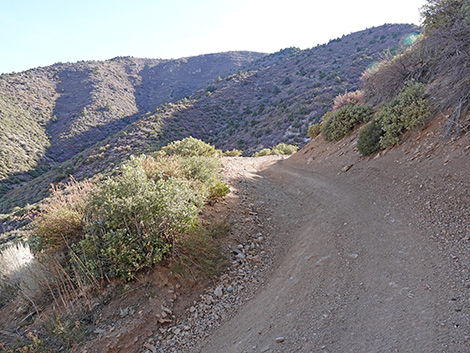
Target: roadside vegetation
[(394, 100), (88, 232), (280, 149)]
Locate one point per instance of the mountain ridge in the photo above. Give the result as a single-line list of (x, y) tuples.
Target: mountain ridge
[(272, 101)]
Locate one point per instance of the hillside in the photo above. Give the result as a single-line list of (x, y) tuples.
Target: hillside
[(273, 100), (52, 113)]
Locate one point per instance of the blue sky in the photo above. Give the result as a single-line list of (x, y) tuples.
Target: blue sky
[(40, 33)]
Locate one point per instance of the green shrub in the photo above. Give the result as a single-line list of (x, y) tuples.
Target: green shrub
[(189, 147), (286, 81), (368, 141), (279, 149), (344, 120), (284, 149), (263, 152), (405, 112), (314, 130), (201, 171), (233, 153), (134, 219), (130, 220), (163, 167), (210, 88), (218, 189), (201, 168)]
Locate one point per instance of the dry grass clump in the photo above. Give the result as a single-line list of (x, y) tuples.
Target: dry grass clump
[(20, 274), (62, 218)]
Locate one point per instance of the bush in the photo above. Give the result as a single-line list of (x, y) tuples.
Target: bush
[(218, 189), (368, 141), (202, 168), (340, 123), (383, 81), (284, 149), (205, 170), (189, 147), (446, 51), (62, 218), (134, 220), (263, 152), (314, 130), (406, 111), (233, 153), (348, 98), (162, 167), (286, 81), (279, 149), (131, 220), (201, 171)]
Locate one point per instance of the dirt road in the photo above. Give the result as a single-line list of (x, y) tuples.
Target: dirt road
[(355, 273)]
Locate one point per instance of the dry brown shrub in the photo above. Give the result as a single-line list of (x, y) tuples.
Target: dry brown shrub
[(347, 98), (62, 218), (383, 81)]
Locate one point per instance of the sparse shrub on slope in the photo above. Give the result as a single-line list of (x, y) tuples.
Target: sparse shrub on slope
[(284, 149), (383, 81), (368, 141), (233, 153), (279, 149), (340, 123), (189, 147), (63, 218), (348, 98), (440, 55), (23, 141), (263, 152), (406, 111), (446, 48), (314, 130)]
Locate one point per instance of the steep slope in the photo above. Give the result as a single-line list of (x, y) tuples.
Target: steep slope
[(251, 110), (50, 114)]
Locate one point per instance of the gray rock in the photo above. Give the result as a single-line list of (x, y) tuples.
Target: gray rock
[(219, 291)]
